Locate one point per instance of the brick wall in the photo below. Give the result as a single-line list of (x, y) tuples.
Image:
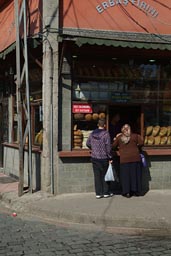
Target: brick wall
[(76, 175), (160, 172)]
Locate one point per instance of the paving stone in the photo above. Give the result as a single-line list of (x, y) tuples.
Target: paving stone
[(27, 237)]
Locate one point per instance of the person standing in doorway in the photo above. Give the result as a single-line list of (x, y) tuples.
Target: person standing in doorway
[(129, 145), (100, 145), (115, 128), (114, 125)]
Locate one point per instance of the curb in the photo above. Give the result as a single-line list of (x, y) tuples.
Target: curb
[(105, 222), (27, 206)]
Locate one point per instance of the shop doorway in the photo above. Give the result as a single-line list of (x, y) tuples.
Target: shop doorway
[(124, 114), (118, 116)]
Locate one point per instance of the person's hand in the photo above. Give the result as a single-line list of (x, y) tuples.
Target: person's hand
[(118, 134)]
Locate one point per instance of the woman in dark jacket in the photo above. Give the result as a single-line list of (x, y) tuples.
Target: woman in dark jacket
[(130, 161), (100, 144)]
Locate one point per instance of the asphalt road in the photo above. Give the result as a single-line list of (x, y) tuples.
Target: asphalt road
[(31, 236)]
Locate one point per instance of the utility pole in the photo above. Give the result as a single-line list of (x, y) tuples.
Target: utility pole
[(22, 74), (49, 160)]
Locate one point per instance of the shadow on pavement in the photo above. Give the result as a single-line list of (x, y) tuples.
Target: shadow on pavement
[(5, 180)]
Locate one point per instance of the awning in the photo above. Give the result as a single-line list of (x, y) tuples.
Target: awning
[(7, 24), (32, 42), (121, 43), (6, 51)]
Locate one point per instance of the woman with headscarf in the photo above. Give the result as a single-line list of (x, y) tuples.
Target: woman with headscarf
[(129, 145)]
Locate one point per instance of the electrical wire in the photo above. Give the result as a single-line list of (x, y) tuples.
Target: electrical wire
[(129, 16), (56, 30), (47, 29), (145, 29), (164, 5)]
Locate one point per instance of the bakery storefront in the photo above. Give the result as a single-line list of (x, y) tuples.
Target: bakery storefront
[(117, 59)]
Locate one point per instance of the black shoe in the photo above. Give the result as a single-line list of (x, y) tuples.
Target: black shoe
[(127, 195), (136, 194)]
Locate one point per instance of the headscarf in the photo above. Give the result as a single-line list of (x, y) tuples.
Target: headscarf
[(126, 133)]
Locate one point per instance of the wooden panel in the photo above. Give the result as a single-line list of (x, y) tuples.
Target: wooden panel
[(75, 153), (86, 153), (158, 152)]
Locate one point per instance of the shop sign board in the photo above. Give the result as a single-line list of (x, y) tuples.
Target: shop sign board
[(82, 108), (120, 97), (142, 5), (140, 16)]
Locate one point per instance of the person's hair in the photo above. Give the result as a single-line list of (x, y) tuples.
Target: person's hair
[(102, 122)]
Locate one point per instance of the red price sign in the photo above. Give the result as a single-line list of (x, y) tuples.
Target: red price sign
[(81, 108)]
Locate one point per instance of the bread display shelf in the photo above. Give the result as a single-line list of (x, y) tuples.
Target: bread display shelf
[(150, 151), (88, 117), (80, 138), (157, 135), (84, 121)]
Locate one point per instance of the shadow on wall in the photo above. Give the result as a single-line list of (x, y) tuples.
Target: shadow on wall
[(36, 174), (146, 177), (37, 186)]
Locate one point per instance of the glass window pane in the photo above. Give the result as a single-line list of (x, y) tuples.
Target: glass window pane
[(145, 83)]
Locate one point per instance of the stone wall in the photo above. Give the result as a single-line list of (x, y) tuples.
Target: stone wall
[(160, 172), (75, 175)]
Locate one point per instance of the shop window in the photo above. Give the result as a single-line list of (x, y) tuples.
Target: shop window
[(140, 83), (37, 118), (85, 118), (36, 123)]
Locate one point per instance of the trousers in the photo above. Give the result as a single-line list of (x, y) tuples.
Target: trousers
[(100, 168)]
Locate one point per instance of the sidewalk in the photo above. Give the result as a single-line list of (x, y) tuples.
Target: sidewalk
[(150, 212), (7, 184)]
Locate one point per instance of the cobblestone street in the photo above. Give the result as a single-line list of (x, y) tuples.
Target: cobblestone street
[(32, 237)]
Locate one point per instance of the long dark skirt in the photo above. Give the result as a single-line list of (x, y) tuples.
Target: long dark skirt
[(130, 174)]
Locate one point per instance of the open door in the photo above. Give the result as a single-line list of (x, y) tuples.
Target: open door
[(125, 114)]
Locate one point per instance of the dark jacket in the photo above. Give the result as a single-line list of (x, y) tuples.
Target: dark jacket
[(100, 144), (129, 152)]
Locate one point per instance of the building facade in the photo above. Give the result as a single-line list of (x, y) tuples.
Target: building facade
[(118, 57)]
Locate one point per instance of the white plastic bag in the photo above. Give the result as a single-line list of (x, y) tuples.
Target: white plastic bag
[(109, 174)]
